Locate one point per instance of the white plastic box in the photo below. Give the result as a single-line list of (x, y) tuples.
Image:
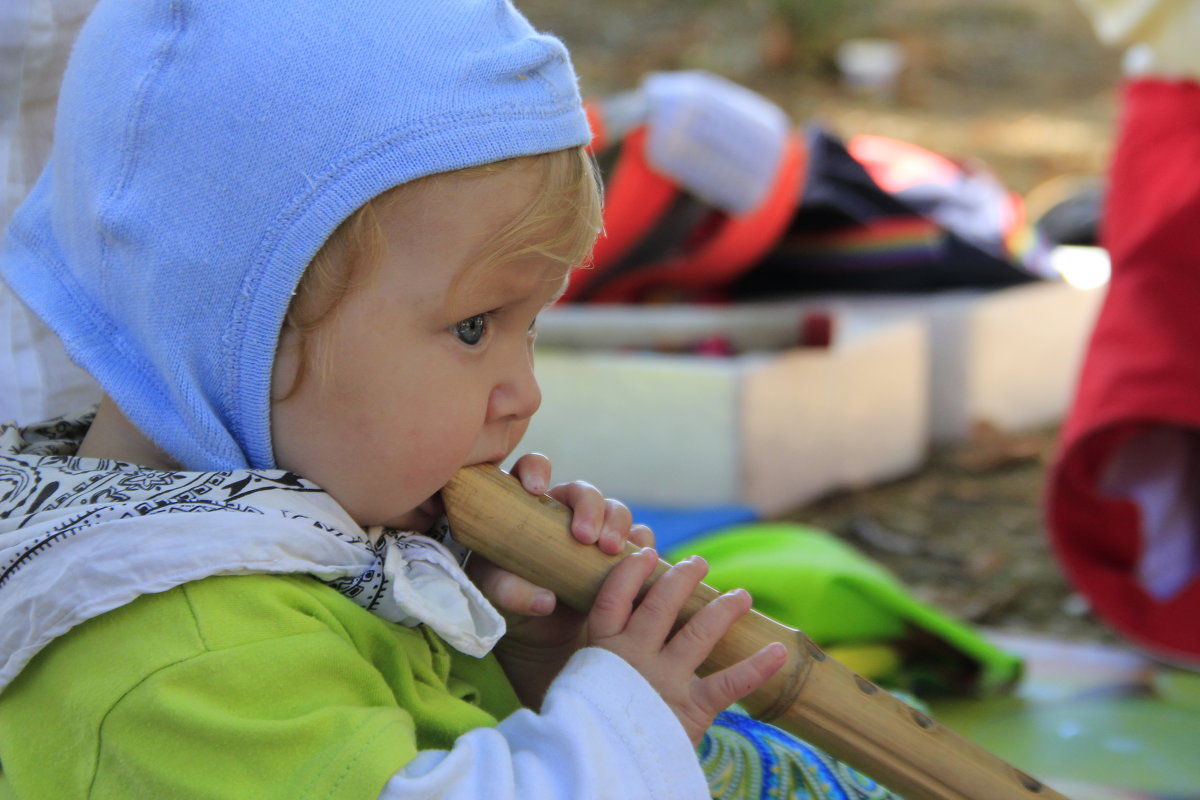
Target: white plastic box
[(1016, 359), (1009, 358), (771, 427)]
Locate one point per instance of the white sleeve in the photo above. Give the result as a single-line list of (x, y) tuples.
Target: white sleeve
[(603, 732)]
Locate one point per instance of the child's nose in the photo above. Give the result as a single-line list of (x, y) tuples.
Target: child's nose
[(518, 395)]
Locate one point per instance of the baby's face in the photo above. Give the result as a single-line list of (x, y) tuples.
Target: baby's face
[(429, 361)]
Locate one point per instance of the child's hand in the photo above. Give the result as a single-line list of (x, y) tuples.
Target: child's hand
[(595, 519), (640, 636), (542, 633)]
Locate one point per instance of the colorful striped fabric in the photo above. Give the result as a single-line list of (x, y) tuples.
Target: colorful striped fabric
[(745, 759)]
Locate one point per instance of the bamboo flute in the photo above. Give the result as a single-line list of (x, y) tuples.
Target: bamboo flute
[(812, 696)]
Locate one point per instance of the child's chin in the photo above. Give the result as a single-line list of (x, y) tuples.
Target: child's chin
[(422, 517)]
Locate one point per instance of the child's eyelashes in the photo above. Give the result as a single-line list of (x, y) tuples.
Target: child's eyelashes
[(470, 331)]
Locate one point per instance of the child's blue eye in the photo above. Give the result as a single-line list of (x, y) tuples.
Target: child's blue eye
[(470, 330)]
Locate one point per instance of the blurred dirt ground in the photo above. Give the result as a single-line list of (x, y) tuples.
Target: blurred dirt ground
[(1021, 85), (966, 534)]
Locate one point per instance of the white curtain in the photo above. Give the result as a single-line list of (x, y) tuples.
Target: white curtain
[(37, 380)]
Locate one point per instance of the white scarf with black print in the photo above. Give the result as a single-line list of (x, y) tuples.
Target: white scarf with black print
[(76, 540)]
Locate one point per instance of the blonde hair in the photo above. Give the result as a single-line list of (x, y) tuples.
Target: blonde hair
[(561, 224)]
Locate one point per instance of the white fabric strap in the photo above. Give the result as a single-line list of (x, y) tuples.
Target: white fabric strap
[(426, 585), (721, 141)]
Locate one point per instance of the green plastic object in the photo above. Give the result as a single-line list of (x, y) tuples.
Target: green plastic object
[(808, 579), (1180, 687), (1094, 721)]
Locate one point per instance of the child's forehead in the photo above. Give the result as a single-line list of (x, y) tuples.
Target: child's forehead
[(494, 234), (454, 206), (498, 283)]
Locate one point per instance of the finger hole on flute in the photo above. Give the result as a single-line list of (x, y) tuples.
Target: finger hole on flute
[(1029, 782), (864, 685), (922, 720)]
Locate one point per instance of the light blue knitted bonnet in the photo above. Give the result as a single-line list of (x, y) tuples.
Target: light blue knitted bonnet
[(205, 150)]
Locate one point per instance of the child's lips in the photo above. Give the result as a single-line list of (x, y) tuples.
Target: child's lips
[(433, 506)]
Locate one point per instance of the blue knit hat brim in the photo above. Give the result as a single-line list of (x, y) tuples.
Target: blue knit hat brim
[(205, 151)]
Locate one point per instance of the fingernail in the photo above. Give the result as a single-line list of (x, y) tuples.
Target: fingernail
[(610, 539), (543, 603)]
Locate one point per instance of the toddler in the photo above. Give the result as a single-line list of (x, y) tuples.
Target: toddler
[(302, 247)]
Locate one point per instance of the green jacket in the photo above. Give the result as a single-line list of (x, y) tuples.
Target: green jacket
[(270, 681)]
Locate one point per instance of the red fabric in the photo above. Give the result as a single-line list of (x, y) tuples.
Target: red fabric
[(634, 198), (637, 196), (1142, 365), (595, 118), (733, 245), (896, 166)]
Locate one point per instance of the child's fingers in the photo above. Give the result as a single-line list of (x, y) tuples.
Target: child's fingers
[(533, 470), (614, 602), (587, 509), (695, 640), (596, 519), (510, 593), (656, 614), (641, 535), (616, 526), (716, 692)]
